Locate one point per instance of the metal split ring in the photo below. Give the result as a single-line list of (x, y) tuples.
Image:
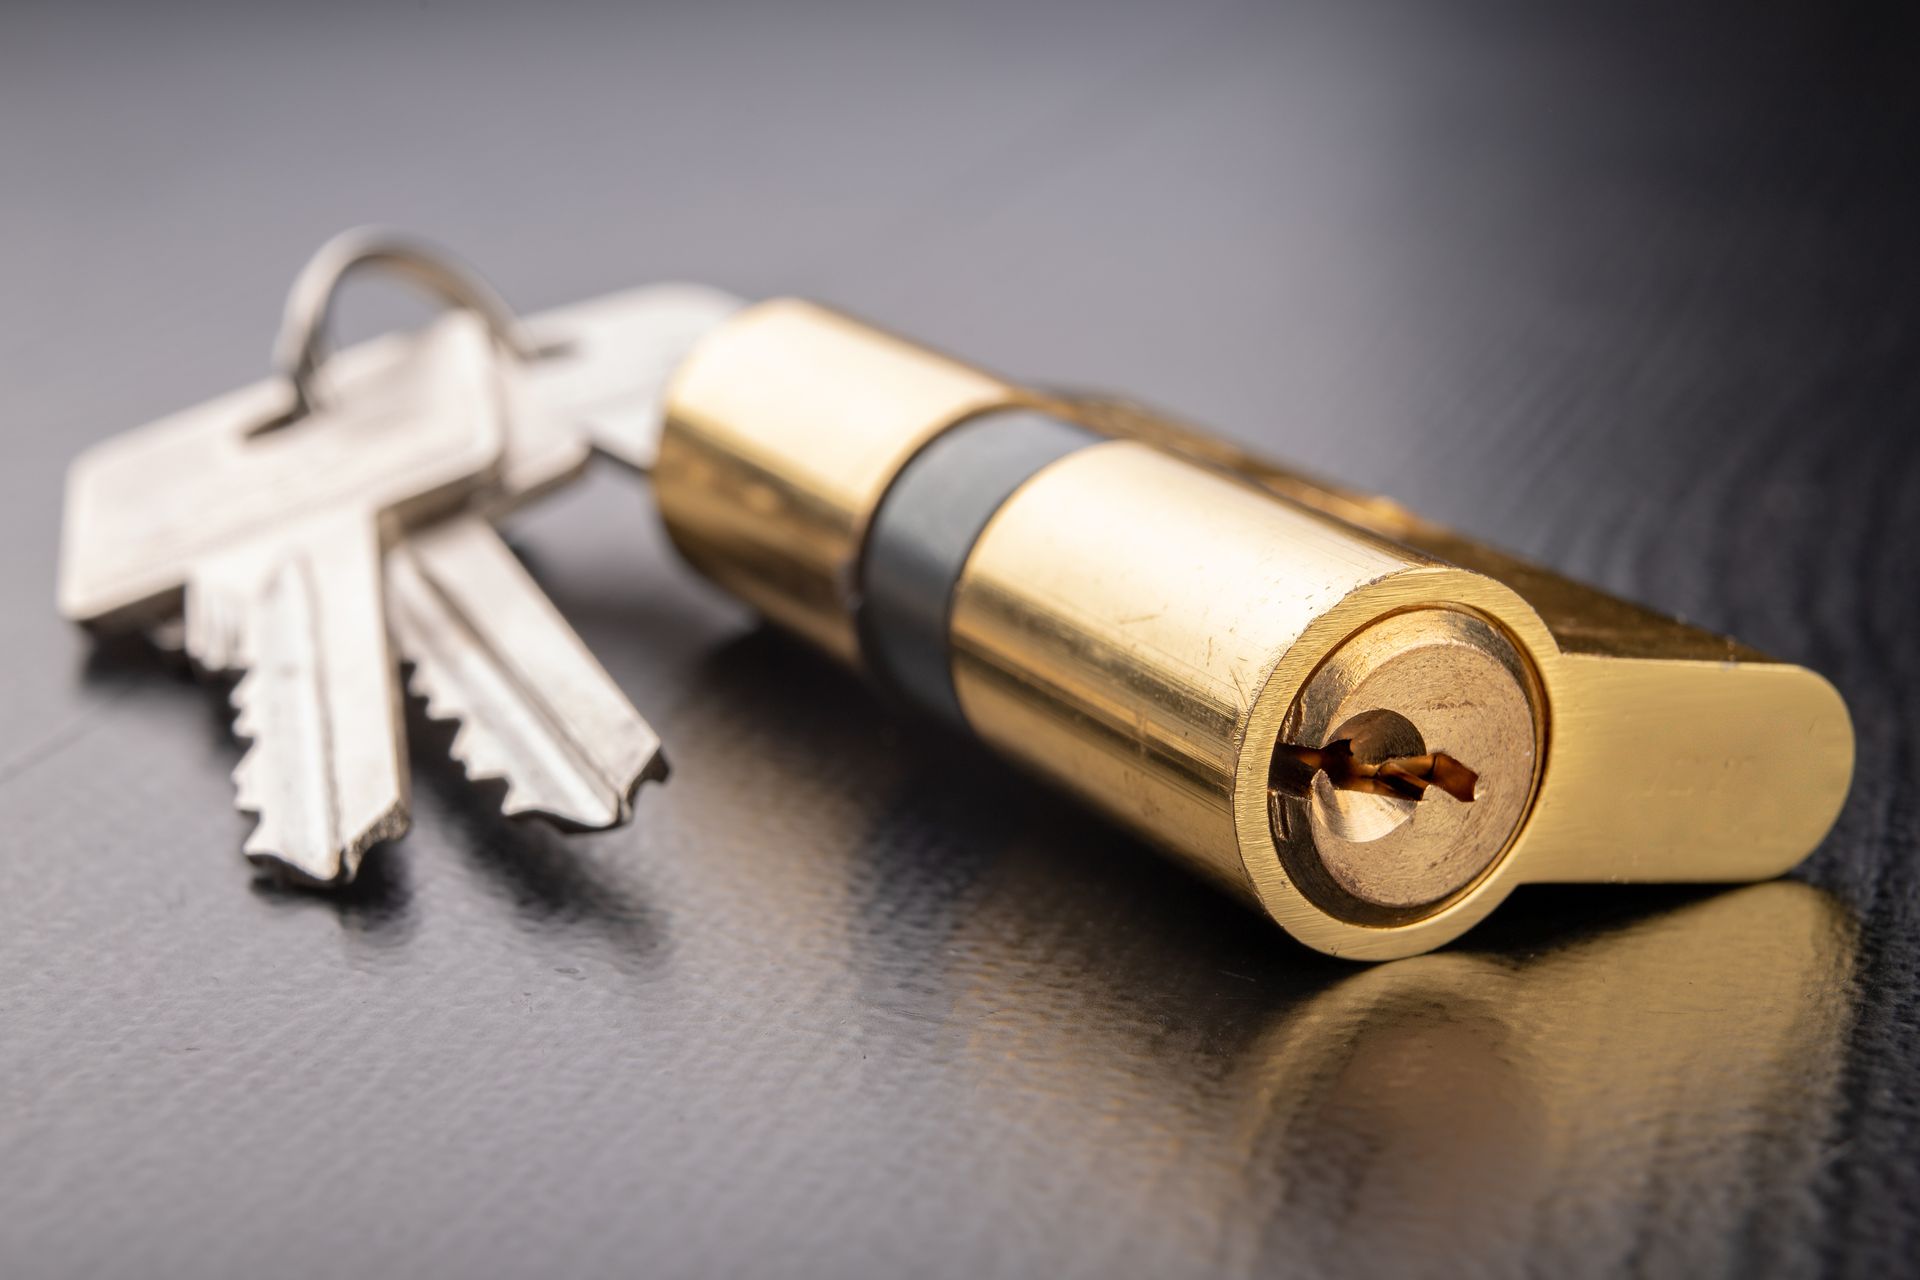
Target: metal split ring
[(303, 343)]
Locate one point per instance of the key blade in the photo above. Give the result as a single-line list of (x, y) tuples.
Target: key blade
[(606, 362), (535, 708), (319, 703)]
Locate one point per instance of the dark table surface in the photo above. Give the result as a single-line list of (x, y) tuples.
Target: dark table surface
[(1631, 290)]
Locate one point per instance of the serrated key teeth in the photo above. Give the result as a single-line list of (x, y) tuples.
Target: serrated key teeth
[(535, 709), (417, 678), (244, 726), (478, 757), (246, 774), (460, 746), (246, 795)]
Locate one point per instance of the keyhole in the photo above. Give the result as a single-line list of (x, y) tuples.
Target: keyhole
[(1367, 780)]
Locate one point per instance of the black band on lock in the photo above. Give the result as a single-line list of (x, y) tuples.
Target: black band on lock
[(923, 532)]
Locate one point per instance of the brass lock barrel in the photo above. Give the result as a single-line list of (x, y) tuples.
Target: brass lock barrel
[(1367, 726)]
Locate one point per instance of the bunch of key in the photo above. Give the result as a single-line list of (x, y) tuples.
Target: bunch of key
[(316, 531)]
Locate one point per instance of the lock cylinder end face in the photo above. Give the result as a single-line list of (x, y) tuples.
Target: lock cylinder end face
[(1406, 766)]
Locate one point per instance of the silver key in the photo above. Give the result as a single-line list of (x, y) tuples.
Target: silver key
[(271, 542), (536, 710), (485, 645), (610, 359)]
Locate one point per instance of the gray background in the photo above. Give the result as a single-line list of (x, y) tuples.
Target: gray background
[(1630, 290)]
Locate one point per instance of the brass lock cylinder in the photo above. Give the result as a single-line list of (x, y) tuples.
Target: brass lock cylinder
[(1276, 682)]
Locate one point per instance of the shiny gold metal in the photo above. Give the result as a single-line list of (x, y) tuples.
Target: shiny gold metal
[(1168, 627), (784, 429), (1437, 674)]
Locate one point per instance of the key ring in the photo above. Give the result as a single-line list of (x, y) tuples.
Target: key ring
[(302, 344)]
